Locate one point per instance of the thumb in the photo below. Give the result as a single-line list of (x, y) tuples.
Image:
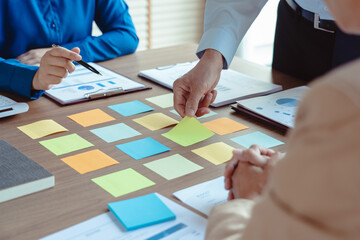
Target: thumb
[(192, 103), (76, 50)]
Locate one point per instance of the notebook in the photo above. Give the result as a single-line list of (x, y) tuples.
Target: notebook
[(277, 109), (83, 85), (19, 175), (232, 86)]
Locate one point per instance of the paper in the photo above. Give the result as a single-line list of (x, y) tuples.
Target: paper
[(280, 107), (173, 166), (42, 128), (91, 117), (186, 226), (131, 108), (204, 196), (224, 126), (215, 153), (211, 113), (232, 85), (188, 131), (163, 101), (156, 121), (77, 85), (89, 161), (257, 138), (123, 182), (66, 144), (141, 212), (115, 132), (142, 148)]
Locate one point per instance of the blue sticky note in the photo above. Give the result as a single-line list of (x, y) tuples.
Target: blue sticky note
[(141, 212), (258, 138), (142, 148), (131, 108), (115, 132)]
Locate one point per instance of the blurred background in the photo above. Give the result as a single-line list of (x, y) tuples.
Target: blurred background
[(163, 23)]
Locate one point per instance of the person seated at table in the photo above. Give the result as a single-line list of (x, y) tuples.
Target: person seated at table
[(312, 192), (28, 29)]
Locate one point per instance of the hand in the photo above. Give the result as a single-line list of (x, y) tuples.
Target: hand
[(54, 66), (256, 157), (32, 57), (194, 92)]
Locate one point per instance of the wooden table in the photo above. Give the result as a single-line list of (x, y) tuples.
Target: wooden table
[(75, 197)]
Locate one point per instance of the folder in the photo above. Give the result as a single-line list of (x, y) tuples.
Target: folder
[(84, 85)]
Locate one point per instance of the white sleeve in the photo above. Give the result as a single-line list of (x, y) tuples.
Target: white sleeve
[(225, 24)]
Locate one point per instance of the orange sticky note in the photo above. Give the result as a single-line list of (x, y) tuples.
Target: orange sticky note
[(89, 161), (91, 117), (224, 126)]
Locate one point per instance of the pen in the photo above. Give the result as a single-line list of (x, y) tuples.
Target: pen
[(86, 65)]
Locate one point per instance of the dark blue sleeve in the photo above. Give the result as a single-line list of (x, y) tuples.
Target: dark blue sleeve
[(119, 35), (17, 78)]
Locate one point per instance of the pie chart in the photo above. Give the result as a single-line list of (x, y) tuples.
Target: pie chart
[(287, 102)]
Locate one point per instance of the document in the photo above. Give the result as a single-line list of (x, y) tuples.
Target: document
[(204, 196), (83, 85), (186, 226), (232, 86), (278, 109)]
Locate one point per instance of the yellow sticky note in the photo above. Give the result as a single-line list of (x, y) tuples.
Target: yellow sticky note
[(42, 128), (224, 126), (91, 117), (216, 153), (156, 121), (89, 161)]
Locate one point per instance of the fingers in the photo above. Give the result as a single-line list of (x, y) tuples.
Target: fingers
[(180, 96), (230, 167), (65, 53), (192, 103), (61, 62)]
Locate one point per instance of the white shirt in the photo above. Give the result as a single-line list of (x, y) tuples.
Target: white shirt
[(227, 21)]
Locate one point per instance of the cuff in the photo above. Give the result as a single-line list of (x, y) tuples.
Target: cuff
[(220, 40)]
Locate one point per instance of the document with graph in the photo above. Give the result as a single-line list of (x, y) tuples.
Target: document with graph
[(84, 85), (278, 108)]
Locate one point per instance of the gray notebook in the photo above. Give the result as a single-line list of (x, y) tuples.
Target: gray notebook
[(19, 175)]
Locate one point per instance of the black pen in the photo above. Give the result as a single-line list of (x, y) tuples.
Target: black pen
[(86, 65)]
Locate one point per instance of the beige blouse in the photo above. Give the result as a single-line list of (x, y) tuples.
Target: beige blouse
[(314, 192)]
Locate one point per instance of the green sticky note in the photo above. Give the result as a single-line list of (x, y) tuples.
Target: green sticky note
[(164, 101), (66, 144), (173, 167), (123, 182), (189, 131)]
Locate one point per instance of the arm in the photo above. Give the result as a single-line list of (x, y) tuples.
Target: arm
[(226, 22), (118, 38)]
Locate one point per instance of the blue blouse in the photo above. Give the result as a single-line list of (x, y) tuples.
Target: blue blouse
[(26, 25)]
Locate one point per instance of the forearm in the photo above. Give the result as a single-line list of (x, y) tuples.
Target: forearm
[(226, 23)]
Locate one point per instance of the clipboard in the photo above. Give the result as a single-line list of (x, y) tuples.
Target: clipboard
[(83, 85)]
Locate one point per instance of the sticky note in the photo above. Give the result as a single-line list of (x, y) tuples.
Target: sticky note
[(91, 117), (215, 153), (42, 128), (123, 182), (163, 101), (224, 126), (173, 166), (188, 131), (142, 148), (257, 138), (156, 121), (141, 212), (89, 161), (211, 113), (66, 144), (115, 132), (131, 108)]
